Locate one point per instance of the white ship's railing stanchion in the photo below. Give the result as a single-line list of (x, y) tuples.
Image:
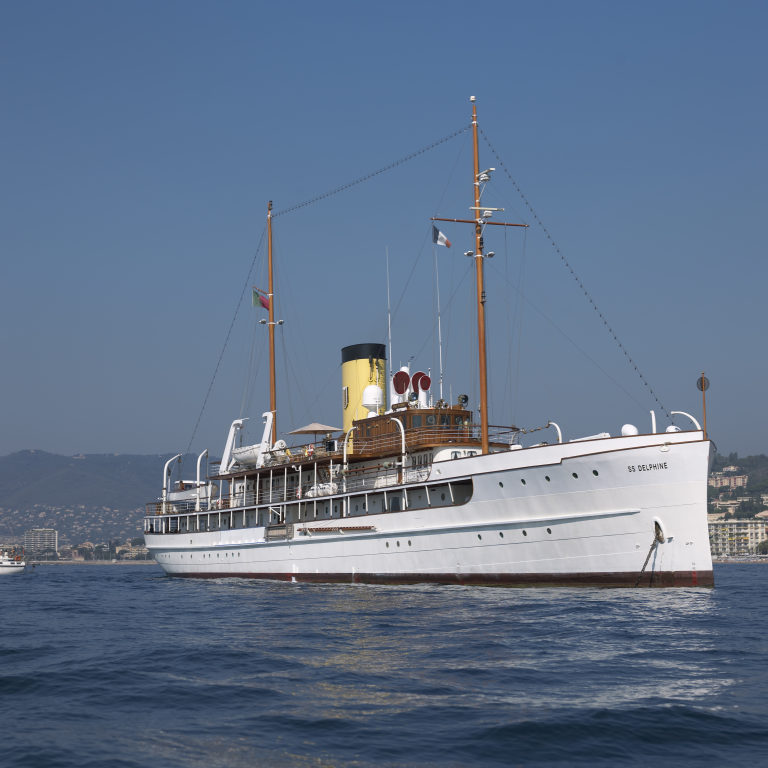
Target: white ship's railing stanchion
[(197, 493), (166, 478), (683, 413), (345, 502)]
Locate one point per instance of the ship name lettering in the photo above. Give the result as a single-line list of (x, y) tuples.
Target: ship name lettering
[(647, 467)]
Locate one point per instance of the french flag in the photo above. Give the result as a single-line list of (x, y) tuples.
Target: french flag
[(439, 238)]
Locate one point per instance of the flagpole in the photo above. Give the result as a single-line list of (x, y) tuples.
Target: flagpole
[(271, 297)]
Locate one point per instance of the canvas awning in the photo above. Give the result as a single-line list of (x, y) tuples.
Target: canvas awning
[(313, 429)]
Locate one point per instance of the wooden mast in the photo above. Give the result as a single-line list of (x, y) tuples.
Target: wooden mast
[(480, 289), (480, 221), (271, 325)]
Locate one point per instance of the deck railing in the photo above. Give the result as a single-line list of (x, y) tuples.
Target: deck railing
[(319, 485)]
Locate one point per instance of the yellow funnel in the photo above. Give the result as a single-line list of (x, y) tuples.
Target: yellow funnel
[(363, 381)]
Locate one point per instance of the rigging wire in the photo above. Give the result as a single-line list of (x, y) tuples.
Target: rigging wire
[(291, 209), (289, 398), (575, 276), (526, 300), (367, 177), (467, 272), (227, 337), (518, 321), (258, 341), (427, 236)]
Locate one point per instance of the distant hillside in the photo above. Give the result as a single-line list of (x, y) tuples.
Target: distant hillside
[(754, 466), (90, 497)]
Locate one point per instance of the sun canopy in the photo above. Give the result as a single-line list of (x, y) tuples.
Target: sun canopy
[(313, 429)]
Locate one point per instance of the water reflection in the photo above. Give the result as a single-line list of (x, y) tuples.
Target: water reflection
[(363, 651)]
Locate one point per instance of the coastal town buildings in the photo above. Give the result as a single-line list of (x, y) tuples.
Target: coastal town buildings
[(41, 542), (731, 538), (736, 528), (728, 480)]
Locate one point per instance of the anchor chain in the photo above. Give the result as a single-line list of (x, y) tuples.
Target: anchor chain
[(658, 538)]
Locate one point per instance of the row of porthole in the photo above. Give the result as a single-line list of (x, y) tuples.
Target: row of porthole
[(226, 554), (410, 543), (575, 475), (501, 534), (479, 536)]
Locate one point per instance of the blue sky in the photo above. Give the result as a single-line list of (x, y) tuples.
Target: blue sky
[(141, 142)]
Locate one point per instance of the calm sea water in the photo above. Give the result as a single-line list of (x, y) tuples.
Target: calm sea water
[(123, 667)]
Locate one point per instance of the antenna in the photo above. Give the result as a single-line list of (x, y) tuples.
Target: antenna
[(389, 321)]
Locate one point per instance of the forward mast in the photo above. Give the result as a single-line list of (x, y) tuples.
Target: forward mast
[(482, 214)]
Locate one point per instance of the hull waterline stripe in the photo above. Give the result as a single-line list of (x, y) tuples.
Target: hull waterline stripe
[(658, 579)]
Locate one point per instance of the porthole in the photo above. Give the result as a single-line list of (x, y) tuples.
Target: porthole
[(549, 530), (398, 543), (522, 480), (387, 545), (442, 497), (501, 534), (575, 475), (525, 533), (501, 485), (595, 472), (479, 537), (546, 477), (409, 542)]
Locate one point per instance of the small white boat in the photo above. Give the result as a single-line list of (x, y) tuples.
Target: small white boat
[(11, 562)]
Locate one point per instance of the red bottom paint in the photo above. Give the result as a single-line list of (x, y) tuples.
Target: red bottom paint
[(663, 579)]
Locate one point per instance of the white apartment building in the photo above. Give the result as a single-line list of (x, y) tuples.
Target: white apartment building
[(736, 537)]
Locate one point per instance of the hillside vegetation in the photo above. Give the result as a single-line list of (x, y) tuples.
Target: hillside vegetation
[(92, 497)]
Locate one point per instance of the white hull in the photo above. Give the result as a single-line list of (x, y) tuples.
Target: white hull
[(585, 512), (10, 568)]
